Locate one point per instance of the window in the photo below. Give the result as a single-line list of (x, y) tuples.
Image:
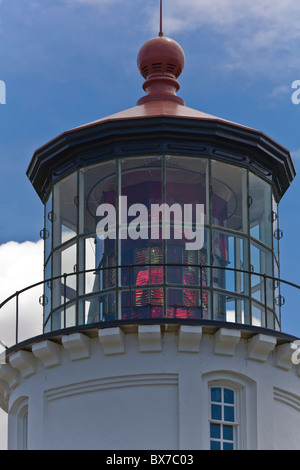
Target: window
[(260, 209), (18, 425), (229, 411), (223, 419), (161, 276), (229, 196), (23, 429)]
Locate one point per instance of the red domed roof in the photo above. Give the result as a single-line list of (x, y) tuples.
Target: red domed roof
[(161, 61), (161, 55)]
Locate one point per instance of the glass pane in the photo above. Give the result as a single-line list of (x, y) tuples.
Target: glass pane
[(89, 263), (275, 219), (97, 186), (68, 265), (258, 315), (185, 271), (271, 320), (229, 413), (64, 215), (57, 319), (230, 252), (216, 412), (231, 309), (147, 273), (277, 293), (261, 262), (71, 316), (216, 395), (68, 262), (227, 446), (141, 237), (64, 317), (47, 293), (98, 308), (64, 262), (261, 317), (48, 227), (229, 196), (215, 445), (228, 396), (97, 217), (186, 183), (260, 209), (228, 433), (215, 431), (142, 303), (186, 303), (99, 264)]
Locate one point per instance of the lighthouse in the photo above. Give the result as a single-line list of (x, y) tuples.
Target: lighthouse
[(154, 338)]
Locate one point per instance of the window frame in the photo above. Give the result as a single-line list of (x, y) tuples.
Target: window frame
[(222, 422), (270, 318), (18, 423), (246, 404)]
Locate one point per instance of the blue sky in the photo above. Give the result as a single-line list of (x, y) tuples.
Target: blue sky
[(69, 62)]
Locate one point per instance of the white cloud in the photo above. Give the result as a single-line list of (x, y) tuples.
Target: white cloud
[(19, 262), (280, 90), (21, 265), (224, 15), (91, 2), (256, 34), (259, 37), (279, 94), (296, 154), (258, 23)]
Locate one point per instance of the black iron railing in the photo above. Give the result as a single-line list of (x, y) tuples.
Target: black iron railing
[(267, 306)]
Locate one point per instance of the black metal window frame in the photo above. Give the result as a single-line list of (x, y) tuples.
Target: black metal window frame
[(79, 238)]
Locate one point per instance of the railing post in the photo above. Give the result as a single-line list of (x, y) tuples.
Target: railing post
[(266, 309), (265, 298), (201, 290), (65, 297), (130, 290), (17, 317)]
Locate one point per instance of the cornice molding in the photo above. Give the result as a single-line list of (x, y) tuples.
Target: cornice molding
[(192, 340), (161, 135)]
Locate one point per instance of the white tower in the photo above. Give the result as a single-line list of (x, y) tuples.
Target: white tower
[(146, 343)]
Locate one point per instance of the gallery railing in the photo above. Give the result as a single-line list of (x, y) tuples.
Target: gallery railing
[(20, 320)]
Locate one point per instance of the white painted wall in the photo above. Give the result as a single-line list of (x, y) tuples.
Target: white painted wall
[(149, 390), (3, 430)]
